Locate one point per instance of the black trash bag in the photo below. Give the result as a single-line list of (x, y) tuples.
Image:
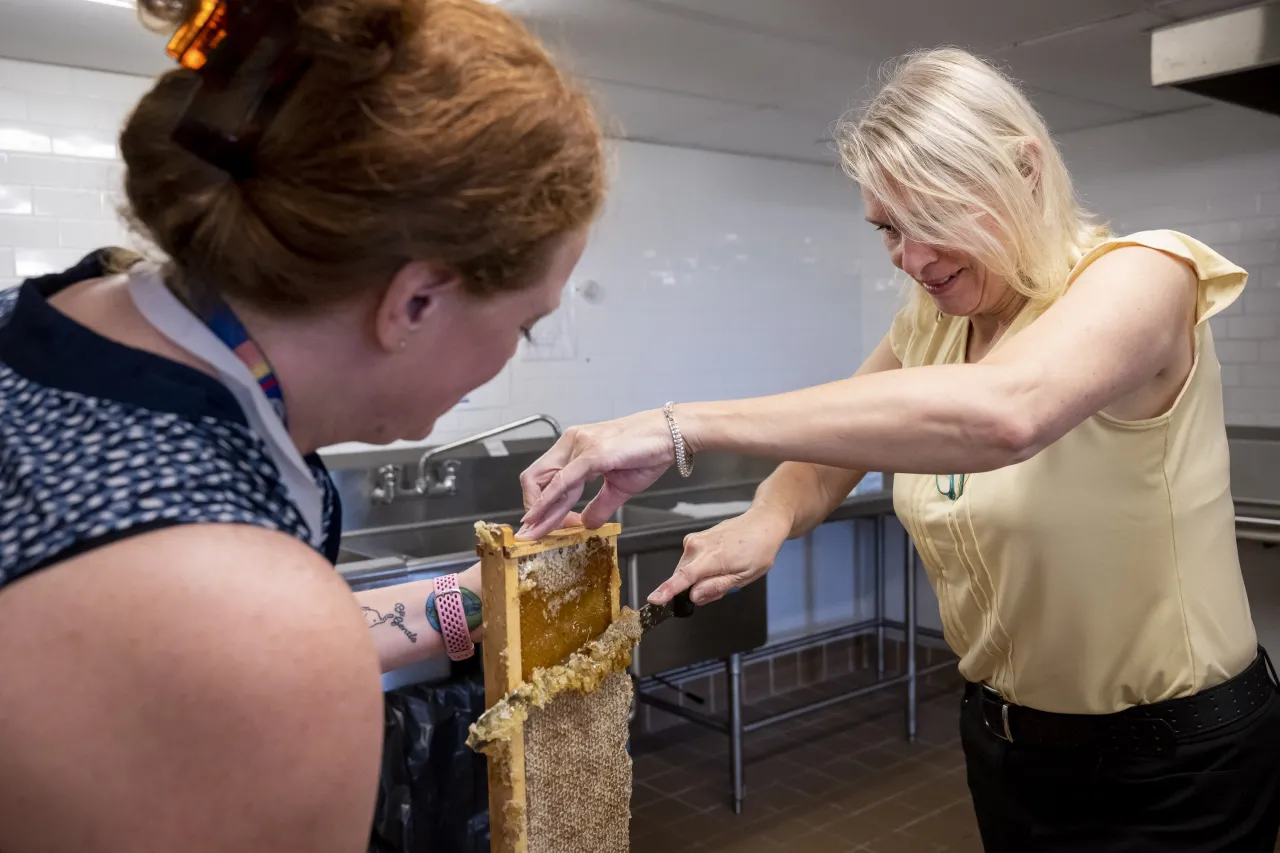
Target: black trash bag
[(434, 791)]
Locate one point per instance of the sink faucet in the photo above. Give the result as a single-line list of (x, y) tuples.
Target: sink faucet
[(436, 479)]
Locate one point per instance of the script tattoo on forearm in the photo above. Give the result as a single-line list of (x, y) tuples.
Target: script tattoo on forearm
[(373, 619)]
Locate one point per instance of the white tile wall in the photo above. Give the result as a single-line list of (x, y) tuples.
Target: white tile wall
[(709, 266), (1212, 173), (59, 164)]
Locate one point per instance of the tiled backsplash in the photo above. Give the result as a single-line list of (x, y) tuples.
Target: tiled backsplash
[(59, 167)]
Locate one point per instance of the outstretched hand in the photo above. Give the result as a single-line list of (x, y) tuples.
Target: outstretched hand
[(629, 453), (727, 557)]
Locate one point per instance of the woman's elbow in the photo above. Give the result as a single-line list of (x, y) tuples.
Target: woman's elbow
[(1013, 434)]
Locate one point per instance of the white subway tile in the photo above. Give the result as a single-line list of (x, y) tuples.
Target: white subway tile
[(77, 204), (35, 77), (15, 199), (1252, 399), (1269, 352), (121, 89), (1255, 253), (113, 204), (1269, 204), (28, 231), (97, 144), (6, 264), (94, 175), (62, 110), (38, 170), (13, 106), (1232, 207), (1261, 300), (1260, 376), (1260, 228), (1265, 277), (1168, 216), (63, 172), (31, 262), (1215, 232), (1253, 327), (18, 138), (1230, 375), (82, 234)]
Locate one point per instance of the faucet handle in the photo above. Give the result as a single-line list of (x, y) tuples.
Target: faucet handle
[(386, 485)]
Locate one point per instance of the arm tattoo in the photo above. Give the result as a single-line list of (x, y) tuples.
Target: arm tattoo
[(373, 619), (470, 606)]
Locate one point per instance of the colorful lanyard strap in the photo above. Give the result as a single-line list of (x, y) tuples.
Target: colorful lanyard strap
[(223, 322)]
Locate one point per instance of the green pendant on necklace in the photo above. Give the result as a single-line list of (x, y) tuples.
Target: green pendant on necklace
[(955, 485)]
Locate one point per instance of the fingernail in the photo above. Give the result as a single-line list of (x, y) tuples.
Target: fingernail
[(522, 531)]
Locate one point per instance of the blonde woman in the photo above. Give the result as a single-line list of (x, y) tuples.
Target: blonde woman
[(1052, 405)]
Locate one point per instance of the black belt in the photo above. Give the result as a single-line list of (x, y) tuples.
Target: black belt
[(1143, 729)]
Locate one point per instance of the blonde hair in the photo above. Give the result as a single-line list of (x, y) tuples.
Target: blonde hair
[(949, 147)]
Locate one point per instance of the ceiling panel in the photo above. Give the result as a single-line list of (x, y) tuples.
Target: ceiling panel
[(747, 75), (1064, 113), (879, 28), (638, 113), (1108, 64), (1185, 9), (624, 41), (80, 34)]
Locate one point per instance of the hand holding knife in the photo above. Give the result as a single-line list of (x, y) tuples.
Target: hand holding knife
[(681, 607)]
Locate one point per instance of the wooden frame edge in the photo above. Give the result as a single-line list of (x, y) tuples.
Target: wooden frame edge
[(500, 597)]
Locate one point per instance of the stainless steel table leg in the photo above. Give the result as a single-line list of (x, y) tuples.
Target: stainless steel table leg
[(877, 561), (910, 618), (734, 682)]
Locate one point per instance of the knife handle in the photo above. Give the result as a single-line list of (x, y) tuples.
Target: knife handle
[(682, 606)]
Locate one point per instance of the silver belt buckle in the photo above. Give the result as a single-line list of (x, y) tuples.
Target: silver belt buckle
[(1006, 734)]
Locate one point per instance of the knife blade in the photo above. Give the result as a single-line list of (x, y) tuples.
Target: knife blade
[(681, 607)]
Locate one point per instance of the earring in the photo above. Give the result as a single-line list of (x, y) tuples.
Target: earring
[(939, 320)]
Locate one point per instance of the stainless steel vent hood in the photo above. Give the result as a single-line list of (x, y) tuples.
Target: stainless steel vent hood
[(1232, 57)]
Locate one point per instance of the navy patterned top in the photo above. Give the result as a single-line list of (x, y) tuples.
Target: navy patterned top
[(100, 441)]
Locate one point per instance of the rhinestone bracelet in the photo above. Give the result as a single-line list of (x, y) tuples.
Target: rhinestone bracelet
[(684, 459)]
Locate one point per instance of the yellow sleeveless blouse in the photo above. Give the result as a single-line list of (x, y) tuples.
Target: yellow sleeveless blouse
[(1101, 573)]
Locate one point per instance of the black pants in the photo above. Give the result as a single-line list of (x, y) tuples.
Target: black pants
[(1218, 793)]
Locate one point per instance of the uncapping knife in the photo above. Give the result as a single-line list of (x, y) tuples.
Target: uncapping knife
[(681, 607)]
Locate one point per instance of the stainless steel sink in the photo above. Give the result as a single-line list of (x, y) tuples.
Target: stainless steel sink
[(454, 536)]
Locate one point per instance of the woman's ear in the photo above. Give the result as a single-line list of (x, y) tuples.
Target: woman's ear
[(415, 291), (1030, 161)]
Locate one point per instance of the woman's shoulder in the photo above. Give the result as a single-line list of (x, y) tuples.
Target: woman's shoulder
[(230, 651), (1220, 280), (1204, 260), (89, 471)]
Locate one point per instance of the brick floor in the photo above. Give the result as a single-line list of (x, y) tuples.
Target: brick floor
[(843, 780), (837, 781)]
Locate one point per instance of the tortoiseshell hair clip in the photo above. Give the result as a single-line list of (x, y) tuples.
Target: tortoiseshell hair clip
[(226, 116)]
